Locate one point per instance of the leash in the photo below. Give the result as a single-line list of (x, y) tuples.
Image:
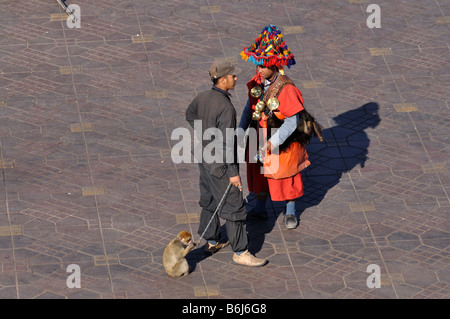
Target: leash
[(216, 211), (63, 4)]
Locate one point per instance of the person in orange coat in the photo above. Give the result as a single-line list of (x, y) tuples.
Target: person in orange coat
[(283, 181)]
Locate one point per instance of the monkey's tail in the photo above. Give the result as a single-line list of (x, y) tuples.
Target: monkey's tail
[(219, 206)]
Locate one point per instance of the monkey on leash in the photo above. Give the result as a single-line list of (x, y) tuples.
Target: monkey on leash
[(174, 260)]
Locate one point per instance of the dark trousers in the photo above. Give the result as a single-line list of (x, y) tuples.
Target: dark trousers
[(233, 210)]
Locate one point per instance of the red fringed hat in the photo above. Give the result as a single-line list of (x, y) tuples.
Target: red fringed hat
[(269, 49)]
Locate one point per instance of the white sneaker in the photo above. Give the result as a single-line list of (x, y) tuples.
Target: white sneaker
[(247, 259)]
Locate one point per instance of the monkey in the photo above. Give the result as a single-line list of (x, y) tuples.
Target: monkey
[(173, 257)]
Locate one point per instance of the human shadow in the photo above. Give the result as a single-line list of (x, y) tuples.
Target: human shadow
[(345, 147)]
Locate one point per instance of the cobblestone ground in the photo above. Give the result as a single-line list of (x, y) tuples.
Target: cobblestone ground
[(86, 116)]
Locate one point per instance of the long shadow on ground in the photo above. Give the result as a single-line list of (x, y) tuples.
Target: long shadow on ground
[(345, 147)]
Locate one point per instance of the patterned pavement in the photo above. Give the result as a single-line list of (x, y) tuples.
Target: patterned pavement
[(86, 116)]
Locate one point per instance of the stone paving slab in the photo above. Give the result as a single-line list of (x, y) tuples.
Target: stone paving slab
[(86, 116)]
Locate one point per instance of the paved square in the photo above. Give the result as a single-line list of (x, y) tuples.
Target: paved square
[(86, 116)]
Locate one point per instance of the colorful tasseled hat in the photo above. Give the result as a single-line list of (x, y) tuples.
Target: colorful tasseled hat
[(269, 49)]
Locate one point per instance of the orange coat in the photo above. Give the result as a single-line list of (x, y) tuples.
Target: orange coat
[(283, 180)]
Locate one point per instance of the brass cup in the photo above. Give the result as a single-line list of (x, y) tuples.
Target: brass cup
[(256, 116), (259, 107), (256, 92), (273, 104)]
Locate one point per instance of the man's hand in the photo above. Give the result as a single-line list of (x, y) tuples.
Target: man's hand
[(236, 181), (267, 147)]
